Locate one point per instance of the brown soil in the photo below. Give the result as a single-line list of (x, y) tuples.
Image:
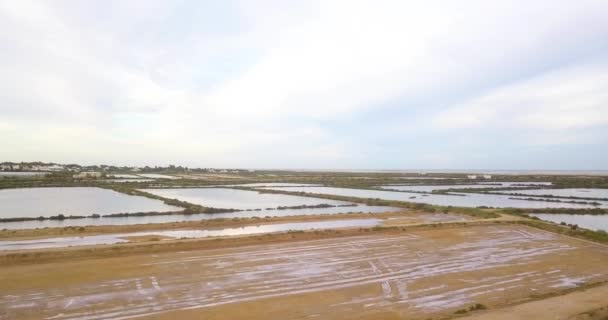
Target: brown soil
[(390, 274), (123, 249), (146, 238), (589, 304)]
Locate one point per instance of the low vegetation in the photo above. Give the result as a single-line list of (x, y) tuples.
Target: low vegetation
[(590, 211), (482, 213), (568, 230), (594, 203)]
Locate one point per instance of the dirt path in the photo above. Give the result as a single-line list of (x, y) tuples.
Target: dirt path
[(586, 304)]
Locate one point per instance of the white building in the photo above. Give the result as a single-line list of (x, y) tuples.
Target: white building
[(472, 176), (487, 176)]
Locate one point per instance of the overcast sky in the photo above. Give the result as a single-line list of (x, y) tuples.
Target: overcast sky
[(306, 84)]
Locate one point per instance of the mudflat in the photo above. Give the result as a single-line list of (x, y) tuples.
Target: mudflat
[(415, 274)]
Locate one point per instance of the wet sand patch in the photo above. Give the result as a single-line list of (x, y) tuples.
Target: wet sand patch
[(412, 274), (146, 238)]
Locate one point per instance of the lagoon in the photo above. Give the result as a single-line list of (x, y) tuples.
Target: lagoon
[(238, 199), (132, 220), (567, 192), (78, 201), (481, 185), (458, 200)]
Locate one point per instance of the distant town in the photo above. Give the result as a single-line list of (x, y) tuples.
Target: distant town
[(100, 169)]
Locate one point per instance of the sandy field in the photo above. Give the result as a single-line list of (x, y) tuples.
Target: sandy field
[(588, 304), (415, 274)]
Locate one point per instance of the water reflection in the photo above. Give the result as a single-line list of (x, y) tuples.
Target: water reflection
[(566, 192), (181, 218), (21, 174), (121, 237), (238, 199), (458, 200), (481, 185), (78, 201)]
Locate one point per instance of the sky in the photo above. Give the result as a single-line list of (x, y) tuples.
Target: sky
[(343, 84)]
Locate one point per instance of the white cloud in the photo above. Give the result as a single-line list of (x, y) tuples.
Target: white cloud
[(134, 80), (573, 98)]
